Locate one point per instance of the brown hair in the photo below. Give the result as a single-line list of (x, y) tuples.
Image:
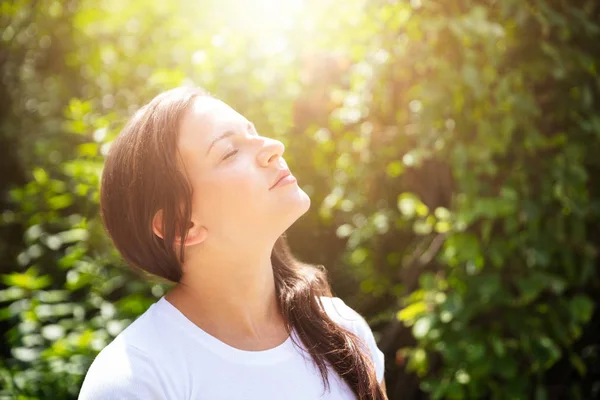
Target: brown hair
[(141, 177)]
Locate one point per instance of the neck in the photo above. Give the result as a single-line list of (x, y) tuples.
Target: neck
[(230, 296)]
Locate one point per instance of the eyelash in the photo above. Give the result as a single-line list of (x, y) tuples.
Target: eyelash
[(233, 152), (230, 154)]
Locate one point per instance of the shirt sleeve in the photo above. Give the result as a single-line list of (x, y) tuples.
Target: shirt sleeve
[(353, 321), (125, 373)]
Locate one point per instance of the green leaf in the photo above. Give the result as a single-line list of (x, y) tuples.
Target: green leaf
[(582, 308), (88, 149), (412, 311), (578, 363), (60, 201), (395, 169), (27, 280), (73, 235), (40, 175)]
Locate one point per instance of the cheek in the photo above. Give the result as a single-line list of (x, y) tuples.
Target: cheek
[(230, 194)]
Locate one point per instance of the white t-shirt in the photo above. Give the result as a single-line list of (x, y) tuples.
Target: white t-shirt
[(163, 355)]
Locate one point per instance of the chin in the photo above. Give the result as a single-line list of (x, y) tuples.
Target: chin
[(296, 209), (306, 202), (303, 201)]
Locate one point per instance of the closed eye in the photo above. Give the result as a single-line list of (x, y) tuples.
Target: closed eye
[(230, 154), (251, 129)]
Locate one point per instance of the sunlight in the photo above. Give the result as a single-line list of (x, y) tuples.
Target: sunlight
[(261, 15)]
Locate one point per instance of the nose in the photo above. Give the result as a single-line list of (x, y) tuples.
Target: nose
[(271, 151)]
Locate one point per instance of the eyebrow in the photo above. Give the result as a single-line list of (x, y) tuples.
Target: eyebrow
[(226, 134), (223, 135)]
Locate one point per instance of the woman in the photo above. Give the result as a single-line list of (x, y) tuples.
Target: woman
[(192, 193)]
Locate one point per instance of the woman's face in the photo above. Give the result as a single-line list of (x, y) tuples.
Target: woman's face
[(231, 169)]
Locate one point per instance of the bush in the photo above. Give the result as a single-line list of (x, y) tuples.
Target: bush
[(449, 149)]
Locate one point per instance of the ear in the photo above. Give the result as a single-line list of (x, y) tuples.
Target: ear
[(196, 233)]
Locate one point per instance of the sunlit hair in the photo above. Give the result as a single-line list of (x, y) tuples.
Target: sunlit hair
[(141, 176)]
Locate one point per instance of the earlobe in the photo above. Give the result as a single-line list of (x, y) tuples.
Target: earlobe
[(196, 234)]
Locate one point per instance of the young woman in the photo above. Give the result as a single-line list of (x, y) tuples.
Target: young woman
[(192, 193)]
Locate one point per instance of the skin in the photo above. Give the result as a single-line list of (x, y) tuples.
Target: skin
[(227, 288)]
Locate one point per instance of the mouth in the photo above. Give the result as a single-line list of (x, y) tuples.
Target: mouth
[(283, 177)]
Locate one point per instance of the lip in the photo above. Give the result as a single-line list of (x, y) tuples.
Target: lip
[(283, 177)]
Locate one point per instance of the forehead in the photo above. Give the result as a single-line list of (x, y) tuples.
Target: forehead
[(204, 120)]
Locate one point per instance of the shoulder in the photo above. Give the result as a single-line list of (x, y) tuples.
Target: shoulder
[(348, 318), (119, 371), (127, 367), (340, 312)]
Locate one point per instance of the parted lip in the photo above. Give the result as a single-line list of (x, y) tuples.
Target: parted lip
[(280, 175)]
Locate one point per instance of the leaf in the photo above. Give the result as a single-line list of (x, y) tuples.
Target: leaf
[(395, 169), (498, 346), (418, 361), (12, 293), (27, 280), (408, 314), (442, 213), (579, 364), (78, 109), (60, 201), (582, 308), (442, 227), (73, 235), (88, 149), (40, 175)]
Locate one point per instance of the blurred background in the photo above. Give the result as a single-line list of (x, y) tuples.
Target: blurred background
[(451, 150)]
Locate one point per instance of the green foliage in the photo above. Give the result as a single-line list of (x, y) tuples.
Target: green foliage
[(449, 149), (519, 256)]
